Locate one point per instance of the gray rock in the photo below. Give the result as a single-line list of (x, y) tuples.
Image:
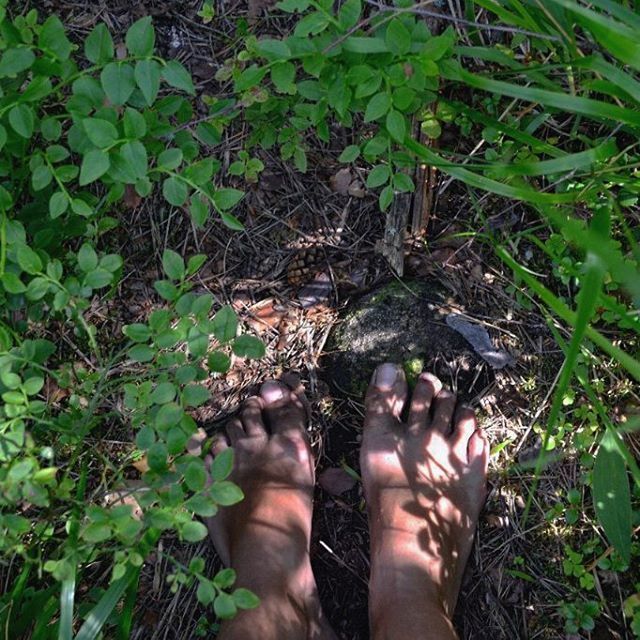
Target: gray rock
[(402, 322)]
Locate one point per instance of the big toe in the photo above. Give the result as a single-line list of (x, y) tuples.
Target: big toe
[(386, 396), (284, 409)]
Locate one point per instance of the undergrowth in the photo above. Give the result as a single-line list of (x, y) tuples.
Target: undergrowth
[(553, 116)]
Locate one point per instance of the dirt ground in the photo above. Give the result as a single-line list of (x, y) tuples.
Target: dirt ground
[(298, 228)]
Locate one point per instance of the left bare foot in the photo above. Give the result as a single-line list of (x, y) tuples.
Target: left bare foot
[(266, 537)]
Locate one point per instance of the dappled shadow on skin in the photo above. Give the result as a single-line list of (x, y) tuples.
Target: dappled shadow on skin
[(424, 491)]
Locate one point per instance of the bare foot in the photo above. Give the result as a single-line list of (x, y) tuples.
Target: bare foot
[(265, 538), (425, 483)]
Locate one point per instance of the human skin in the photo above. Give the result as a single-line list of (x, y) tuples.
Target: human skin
[(424, 481)]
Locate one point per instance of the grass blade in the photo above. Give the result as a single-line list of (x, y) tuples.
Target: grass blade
[(587, 298), (67, 596), (563, 101), (611, 495)]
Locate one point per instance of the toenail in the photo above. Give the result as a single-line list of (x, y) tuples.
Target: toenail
[(272, 392), (435, 381), (386, 375)]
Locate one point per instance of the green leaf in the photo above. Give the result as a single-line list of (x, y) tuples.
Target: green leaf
[(226, 493), (87, 258), (219, 362), (224, 606), (166, 289), (195, 476), (377, 106), (403, 183), (58, 204), (22, 120), (170, 159), (98, 47), (147, 77), (385, 198), (245, 599), (135, 125), (611, 495), (81, 208), (16, 60), (164, 392), (222, 465), (349, 14), (358, 44), (98, 278), (141, 353), (206, 592), (194, 395), (396, 125), (100, 132), (194, 531), (378, 176), (199, 210), (246, 346), (225, 199), (225, 324), (96, 532), (137, 332), (141, 37), (177, 76), (398, 37), (311, 24), (283, 75), (169, 416), (175, 191), (29, 260), (134, 155), (173, 264), (12, 283), (350, 153), (157, 456), (273, 50), (118, 82), (41, 177), (94, 164), (52, 38)]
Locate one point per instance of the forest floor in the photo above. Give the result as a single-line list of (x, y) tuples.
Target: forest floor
[(301, 227)]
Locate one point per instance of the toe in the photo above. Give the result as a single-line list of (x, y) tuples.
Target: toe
[(219, 443), (386, 395), (478, 452), (251, 417), (427, 388), (464, 426), (283, 409), (444, 406), (235, 431)]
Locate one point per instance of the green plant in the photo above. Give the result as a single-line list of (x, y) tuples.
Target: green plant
[(580, 616), (379, 70), (81, 134)]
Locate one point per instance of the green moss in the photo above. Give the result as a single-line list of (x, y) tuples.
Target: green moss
[(412, 369)]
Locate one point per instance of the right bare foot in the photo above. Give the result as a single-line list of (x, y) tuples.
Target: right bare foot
[(425, 484)]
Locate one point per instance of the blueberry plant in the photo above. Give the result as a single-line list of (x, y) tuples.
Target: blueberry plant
[(83, 129), (330, 73)]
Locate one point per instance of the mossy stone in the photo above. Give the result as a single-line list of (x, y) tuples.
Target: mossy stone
[(402, 322)]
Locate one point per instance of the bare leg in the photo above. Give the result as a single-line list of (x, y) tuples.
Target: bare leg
[(265, 538), (425, 483)]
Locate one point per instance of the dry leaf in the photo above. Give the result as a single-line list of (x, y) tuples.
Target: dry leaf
[(336, 481), (131, 197), (265, 315), (356, 189), (341, 181)]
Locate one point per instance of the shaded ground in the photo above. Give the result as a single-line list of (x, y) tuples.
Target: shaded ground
[(286, 214)]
